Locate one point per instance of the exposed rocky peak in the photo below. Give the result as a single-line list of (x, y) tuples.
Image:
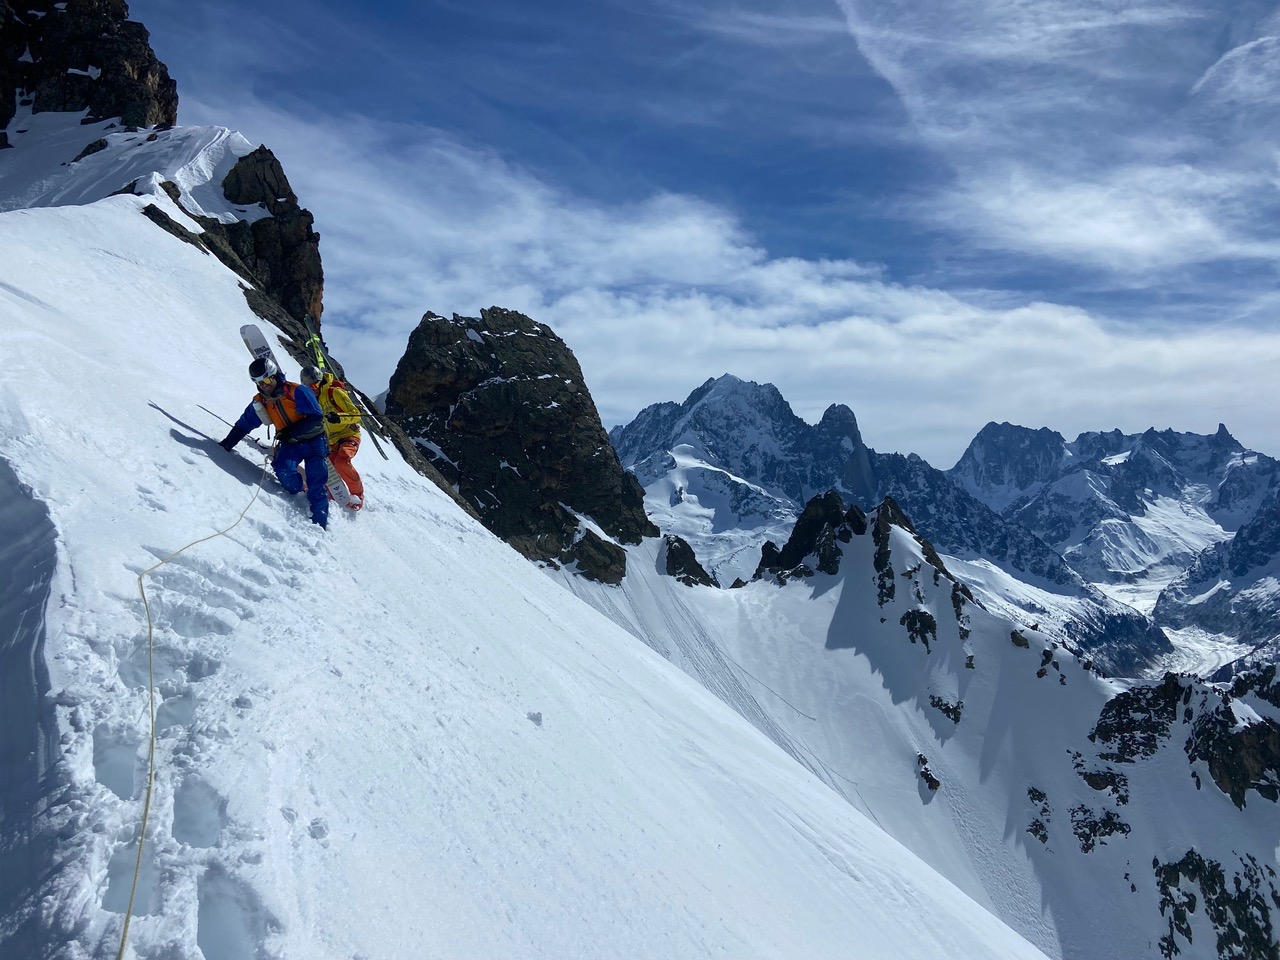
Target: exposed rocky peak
[(1005, 462), (681, 563), (282, 250), (820, 529), (82, 55), (499, 404), (750, 431)]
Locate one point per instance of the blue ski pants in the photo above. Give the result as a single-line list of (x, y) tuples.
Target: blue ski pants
[(312, 455)]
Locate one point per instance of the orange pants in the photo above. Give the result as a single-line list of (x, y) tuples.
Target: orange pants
[(340, 455)]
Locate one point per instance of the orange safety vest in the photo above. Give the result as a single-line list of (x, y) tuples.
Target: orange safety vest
[(282, 411)]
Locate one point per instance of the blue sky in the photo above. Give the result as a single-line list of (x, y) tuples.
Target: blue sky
[(1056, 212)]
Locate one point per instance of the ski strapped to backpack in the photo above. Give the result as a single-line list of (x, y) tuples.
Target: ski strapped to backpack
[(325, 363), (257, 344)]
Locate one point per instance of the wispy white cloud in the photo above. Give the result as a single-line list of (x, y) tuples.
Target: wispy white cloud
[(655, 296), (1109, 136)]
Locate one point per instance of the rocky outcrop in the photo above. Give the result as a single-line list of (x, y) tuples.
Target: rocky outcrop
[(498, 403), (1235, 900), (818, 533), (282, 251), (682, 563), (279, 255), (1241, 756), (83, 55)]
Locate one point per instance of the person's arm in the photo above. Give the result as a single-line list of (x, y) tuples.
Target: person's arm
[(347, 411), (248, 422)]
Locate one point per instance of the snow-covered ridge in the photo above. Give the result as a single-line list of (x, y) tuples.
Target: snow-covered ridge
[(41, 170), (390, 739)]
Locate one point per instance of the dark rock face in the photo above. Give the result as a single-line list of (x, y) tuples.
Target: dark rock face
[(282, 251), (1133, 725), (819, 531), (500, 406), (750, 430), (86, 55), (279, 255), (1261, 682), (1235, 901), (682, 564), (1239, 759)]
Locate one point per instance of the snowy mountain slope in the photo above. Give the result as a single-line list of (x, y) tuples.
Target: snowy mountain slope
[(394, 739), (1124, 509), (41, 170), (1038, 815), (729, 467), (1233, 588), (732, 467)]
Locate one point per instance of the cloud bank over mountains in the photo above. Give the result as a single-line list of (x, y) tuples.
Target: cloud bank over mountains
[(1085, 243)]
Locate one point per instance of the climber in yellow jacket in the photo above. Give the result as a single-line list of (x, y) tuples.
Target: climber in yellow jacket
[(342, 427)]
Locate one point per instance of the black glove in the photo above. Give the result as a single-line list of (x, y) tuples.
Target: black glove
[(232, 438), (333, 418)]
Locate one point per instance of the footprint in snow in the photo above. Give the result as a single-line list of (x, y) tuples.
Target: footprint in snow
[(199, 813)]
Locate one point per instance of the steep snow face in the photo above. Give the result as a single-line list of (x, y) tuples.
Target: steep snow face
[(42, 170), (991, 752), (391, 740)]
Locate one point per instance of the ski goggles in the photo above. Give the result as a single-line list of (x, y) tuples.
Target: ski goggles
[(267, 384)]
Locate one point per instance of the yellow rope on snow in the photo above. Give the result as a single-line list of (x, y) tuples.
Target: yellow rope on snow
[(151, 694)]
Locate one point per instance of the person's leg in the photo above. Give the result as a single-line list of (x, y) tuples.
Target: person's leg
[(340, 456), (286, 467), (317, 473)]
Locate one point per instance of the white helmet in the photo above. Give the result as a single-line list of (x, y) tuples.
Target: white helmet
[(262, 368)]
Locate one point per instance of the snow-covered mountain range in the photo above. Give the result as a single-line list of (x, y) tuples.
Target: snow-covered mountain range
[(1177, 524), (733, 466), (400, 737)]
